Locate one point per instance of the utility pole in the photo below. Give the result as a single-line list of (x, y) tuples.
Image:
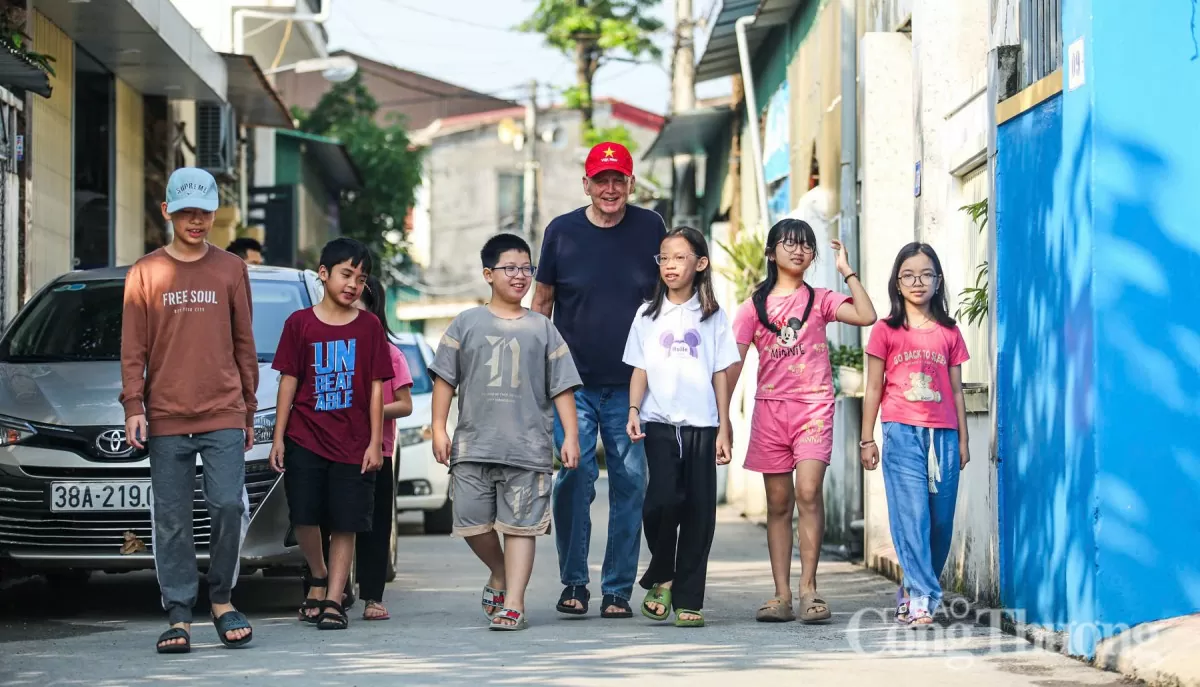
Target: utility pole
[(530, 184), (683, 99)]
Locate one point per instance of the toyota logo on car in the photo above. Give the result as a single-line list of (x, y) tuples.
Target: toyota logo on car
[(112, 443)]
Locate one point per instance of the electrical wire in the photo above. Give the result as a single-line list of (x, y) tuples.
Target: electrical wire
[(456, 20)]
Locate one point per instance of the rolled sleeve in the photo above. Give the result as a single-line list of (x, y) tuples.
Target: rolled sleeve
[(446, 361), (635, 355), (727, 348), (562, 375)]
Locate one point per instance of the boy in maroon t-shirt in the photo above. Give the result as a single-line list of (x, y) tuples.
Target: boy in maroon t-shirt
[(333, 360)]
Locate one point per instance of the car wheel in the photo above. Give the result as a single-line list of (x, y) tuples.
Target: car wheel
[(440, 521), (393, 547)]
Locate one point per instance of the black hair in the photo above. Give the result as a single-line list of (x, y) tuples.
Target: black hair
[(500, 244), (375, 298), (940, 304), (345, 249), (785, 229), (241, 246), (702, 284)]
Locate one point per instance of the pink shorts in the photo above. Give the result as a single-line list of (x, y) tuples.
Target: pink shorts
[(783, 433)]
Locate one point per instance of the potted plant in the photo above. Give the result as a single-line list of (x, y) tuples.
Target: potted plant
[(848, 362)]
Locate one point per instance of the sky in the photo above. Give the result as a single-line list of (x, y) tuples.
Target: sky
[(470, 43)]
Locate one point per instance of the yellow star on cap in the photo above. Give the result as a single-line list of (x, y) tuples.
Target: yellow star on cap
[(610, 154)]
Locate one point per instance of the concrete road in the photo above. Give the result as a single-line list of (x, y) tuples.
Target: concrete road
[(105, 635)]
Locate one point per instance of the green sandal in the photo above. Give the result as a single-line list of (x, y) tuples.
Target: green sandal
[(658, 594), (696, 622)]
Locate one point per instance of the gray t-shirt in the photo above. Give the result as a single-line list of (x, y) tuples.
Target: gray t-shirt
[(507, 373)]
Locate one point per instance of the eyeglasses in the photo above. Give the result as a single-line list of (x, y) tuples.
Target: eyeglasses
[(511, 271), (791, 246), (915, 279), (669, 259)]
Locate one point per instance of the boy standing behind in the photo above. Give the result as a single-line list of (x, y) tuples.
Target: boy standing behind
[(333, 360), (512, 370)]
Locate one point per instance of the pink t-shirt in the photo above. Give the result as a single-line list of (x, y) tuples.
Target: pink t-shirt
[(795, 364), (916, 368), (401, 379)]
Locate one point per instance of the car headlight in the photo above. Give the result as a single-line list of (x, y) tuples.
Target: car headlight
[(414, 435), (14, 431), (264, 426)]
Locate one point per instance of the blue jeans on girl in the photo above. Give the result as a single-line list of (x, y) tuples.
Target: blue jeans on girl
[(922, 489)]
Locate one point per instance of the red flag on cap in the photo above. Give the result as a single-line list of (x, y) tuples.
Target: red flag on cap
[(606, 156)]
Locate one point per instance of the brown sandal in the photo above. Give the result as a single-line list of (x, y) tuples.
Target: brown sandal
[(810, 603), (777, 610), (368, 605)]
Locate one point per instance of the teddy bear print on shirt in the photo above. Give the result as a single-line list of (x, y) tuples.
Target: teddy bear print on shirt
[(921, 389), (689, 345)]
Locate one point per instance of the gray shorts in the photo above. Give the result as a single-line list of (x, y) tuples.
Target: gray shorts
[(491, 496)]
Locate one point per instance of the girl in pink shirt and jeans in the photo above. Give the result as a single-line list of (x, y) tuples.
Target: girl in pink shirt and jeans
[(791, 431), (913, 371)]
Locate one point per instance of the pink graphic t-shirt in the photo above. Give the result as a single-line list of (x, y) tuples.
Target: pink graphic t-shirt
[(793, 365), (916, 368)]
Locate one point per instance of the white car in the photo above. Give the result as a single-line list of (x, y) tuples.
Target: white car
[(422, 484)]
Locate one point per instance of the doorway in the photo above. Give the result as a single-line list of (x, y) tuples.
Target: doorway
[(94, 157)]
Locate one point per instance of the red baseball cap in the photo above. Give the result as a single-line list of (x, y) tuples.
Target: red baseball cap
[(606, 156)]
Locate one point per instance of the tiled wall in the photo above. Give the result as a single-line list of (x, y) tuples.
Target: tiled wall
[(50, 246)]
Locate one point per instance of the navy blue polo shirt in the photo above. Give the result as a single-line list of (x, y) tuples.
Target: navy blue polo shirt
[(600, 278)]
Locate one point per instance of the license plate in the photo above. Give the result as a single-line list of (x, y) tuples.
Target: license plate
[(100, 496)]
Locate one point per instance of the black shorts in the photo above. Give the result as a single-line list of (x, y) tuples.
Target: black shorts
[(324, 492)]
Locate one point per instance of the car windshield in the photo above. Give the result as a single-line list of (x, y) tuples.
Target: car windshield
[(81, 321), (422, 384)]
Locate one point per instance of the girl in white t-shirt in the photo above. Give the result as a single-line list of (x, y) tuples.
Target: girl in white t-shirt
[(679, 346)]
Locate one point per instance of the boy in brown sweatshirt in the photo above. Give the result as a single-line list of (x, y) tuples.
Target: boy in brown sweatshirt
[(189, 373)]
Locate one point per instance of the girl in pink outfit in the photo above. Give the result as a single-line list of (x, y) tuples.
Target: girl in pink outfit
[(914, 372), (791, 431)]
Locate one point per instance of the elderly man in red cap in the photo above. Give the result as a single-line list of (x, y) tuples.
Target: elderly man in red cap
[(597, 267)]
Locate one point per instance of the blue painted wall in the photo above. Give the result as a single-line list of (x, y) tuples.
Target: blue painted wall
[(1145, 71), (1098, 385)]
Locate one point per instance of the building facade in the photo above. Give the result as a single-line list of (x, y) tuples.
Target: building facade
[(473, 187)]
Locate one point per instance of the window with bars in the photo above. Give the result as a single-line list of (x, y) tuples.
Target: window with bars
[(1041, 39)]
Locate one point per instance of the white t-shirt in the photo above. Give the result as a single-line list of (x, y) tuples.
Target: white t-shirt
[(680, 354)]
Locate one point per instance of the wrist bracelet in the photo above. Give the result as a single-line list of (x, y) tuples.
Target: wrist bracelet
[(864, 444), (847, 278), (636, 409)]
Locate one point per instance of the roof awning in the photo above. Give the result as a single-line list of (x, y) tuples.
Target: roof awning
[(252, 96), (18, 71), (720, 56), (333, 160), (690, 133), (145, 43)]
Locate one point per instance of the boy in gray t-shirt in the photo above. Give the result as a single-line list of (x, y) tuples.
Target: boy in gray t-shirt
[(512, 370)]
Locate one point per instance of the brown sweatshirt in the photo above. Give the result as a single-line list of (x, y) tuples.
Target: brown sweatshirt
[(187, 329)]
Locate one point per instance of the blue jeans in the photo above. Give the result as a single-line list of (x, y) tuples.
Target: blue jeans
[(603, 410), (921, 506)]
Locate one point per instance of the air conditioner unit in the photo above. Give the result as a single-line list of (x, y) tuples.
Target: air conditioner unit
[(216, 138)]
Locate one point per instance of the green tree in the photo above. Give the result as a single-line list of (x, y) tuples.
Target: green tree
[(390, 167), (594, 33)]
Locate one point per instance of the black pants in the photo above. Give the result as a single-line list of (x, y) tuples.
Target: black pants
[(371, 549), (680, 511)]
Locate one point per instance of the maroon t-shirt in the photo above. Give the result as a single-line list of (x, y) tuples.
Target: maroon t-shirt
[(335, 366)]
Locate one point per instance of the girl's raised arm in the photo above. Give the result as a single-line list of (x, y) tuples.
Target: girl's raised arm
[(859, 312)]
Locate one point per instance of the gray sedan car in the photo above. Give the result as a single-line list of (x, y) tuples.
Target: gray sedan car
[(74, 495)]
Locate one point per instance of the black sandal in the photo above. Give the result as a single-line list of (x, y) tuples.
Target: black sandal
[(311, 604), (228, 622), (613, 600), (574, 592), (333, 616), (174, 633)]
